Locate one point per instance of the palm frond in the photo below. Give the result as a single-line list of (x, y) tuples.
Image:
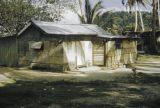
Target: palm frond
[(80, 5), (96, 10), (131, 3), (88, 11), (90, 14), (81, 18)]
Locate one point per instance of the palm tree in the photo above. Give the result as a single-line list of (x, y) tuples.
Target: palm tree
[(153, 42), (131, 4), (89, 15)]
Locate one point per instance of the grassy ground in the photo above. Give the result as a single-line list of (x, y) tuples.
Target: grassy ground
[(148, 58), (125, 91), (34, 89)]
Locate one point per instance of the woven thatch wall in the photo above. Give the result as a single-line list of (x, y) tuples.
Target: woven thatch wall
[(110, 54), (98, 52), (125, 54), (129, 51)]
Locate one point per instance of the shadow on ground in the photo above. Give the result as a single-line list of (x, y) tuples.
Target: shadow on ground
[(141, 91)]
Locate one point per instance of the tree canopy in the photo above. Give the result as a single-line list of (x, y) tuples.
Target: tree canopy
[(132, 3), (118, 22), (14, 14)]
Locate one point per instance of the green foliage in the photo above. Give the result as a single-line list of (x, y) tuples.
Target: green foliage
[(132, 3), (90, 14), (118, 22), (56, 8), (51, 1), (15, 13)]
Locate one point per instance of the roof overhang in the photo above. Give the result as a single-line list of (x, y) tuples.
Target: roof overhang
[(111, 37)]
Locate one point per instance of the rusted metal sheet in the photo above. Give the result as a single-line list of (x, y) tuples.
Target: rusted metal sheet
[(8, 51)]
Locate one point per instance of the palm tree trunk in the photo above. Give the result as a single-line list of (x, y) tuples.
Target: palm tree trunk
[(136, 18), (159, 13), (153, 45), (140, 14), (80, 5)]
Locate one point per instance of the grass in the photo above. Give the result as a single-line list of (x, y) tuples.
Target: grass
[(122, 92), (148, 58), (3, 79)]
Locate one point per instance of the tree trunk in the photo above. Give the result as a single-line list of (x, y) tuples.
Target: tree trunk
[(159, 13), (80, 5), (140, 14), (153, 45), (136, 18)]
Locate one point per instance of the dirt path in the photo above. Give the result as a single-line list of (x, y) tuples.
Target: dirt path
[(114, 88), (145, 64), (148, 67), (76, 76), (3, 78)]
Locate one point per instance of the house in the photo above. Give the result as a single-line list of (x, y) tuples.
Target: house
[(61, 47)]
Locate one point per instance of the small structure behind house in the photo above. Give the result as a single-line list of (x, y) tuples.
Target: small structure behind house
[(143, 42)]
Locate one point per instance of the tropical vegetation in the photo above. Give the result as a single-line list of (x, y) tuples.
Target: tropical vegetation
[(134, 5), (14, 14), (89, 14), (119, 22)]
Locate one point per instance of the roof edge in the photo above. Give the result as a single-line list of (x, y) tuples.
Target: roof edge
[(117, 37), (28, 25), (25, 28)]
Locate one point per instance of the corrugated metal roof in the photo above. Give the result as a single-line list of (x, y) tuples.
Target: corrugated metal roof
[(69, 29)]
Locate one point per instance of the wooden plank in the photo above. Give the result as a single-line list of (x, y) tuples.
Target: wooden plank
[(8, 52)]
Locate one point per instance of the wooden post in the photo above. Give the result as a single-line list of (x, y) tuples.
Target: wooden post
[(17, 51), (104, 53), (93, 53), (76, 55)]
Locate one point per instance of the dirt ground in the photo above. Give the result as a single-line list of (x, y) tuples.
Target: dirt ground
[(77, 76), (24, 88)]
